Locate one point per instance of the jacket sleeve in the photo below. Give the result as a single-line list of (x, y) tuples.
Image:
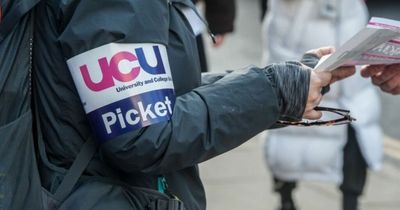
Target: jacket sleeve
[(209, 78), (220, 15), (206, 121)]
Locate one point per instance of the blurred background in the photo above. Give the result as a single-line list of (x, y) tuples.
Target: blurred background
[(240, 179)]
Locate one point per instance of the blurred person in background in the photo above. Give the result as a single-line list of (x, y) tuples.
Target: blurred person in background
[(384, 8), (264, 7), (387, 78), (340, 153), (220, 15)]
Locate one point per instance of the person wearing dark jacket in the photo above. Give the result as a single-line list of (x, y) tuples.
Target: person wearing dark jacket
[(264, 8), (220, 15), (126, 73)]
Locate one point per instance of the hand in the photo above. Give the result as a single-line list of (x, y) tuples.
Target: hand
[(321, 52), (219, 39), (342, 73), (318, 80), (337, 74), (387, 77)]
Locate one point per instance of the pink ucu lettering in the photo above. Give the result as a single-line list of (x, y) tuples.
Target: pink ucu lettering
[(110, 70)]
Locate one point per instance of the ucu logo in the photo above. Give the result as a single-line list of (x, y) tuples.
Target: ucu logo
[(110, 70)]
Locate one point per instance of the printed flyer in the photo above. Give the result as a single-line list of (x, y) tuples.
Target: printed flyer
[(377, 43)]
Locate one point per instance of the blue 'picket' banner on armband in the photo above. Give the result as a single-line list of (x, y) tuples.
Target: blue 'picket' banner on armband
[(132, 113)]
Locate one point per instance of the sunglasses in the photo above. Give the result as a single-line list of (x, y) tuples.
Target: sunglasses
[(344, 119)]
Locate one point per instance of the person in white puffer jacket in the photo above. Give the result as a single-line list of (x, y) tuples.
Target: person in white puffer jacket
[(340, 154)]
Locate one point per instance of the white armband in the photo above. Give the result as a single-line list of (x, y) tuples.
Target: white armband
[(124, 87)]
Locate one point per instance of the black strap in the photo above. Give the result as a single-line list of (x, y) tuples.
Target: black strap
[(14, 15), (170, 204), (78, 166), (90, 146)]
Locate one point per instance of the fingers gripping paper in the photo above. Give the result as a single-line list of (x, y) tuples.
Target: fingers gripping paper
[(124, 87)]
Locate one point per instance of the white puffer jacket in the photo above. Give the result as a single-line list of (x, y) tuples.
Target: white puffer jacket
[(290, 28)]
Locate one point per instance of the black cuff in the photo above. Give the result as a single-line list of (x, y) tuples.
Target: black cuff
[(310, 60)]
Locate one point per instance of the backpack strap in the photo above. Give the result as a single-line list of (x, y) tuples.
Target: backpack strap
[(77, 168), (14, 15)]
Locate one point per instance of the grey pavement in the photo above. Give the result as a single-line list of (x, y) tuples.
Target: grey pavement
[(239, 180)]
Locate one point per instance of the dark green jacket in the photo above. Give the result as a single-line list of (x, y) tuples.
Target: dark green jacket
[(210, 116), (19, 179)]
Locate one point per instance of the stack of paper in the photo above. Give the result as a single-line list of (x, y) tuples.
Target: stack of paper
[(378, 43)]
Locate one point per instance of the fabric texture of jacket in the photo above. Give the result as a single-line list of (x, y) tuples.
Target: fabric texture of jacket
[(290, 29), (207, 119), (19, 178)]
